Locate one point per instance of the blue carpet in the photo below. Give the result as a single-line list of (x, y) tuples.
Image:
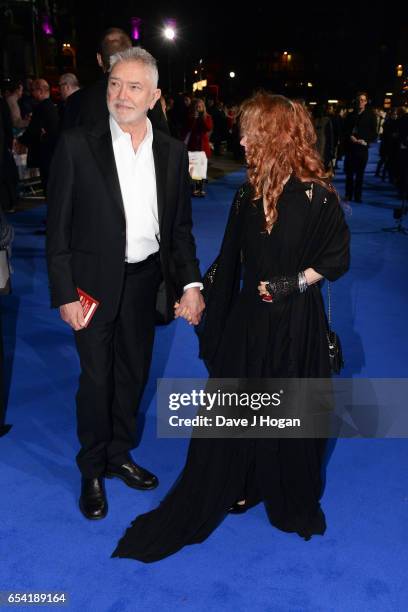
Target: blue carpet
[(46, 545)]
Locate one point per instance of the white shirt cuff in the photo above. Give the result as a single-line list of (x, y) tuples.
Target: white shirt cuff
[(190, 285)]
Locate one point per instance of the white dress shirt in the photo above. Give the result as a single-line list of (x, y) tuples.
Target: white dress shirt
[(137, 179)]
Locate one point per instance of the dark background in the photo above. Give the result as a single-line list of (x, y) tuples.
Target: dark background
[(339, 48)]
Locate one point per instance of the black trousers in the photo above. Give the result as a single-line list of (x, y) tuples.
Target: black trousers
[(355, 162), (115, 360)]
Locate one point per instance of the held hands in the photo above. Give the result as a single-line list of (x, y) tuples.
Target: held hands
[(73, 315), (191, 306)]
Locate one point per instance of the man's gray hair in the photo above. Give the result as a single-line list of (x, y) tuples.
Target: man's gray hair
[(137, 54), (69, 79)]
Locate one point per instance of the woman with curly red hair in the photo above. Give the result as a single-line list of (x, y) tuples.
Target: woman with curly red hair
[(264, 319)]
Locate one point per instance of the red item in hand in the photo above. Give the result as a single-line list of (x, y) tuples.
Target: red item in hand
[(267, 298), (89, 305)]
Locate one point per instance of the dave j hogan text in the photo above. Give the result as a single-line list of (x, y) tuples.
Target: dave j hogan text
[(219, 420)]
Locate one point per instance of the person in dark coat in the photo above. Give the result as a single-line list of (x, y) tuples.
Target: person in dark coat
[(68, 85), (219, 132), (388, 146), (361, 130), (286, 232), (88, 105), (119, 229), (42, 133)]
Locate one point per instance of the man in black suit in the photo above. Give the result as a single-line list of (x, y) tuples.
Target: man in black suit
[(361, 130), (88, 105), (41, 134), (119, 223)]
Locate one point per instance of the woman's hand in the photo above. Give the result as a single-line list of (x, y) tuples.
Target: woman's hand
[(279, 287)]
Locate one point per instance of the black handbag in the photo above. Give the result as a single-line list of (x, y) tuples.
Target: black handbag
[(334, 344)]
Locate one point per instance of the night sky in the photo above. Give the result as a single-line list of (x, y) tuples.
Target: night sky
[(343, 47)]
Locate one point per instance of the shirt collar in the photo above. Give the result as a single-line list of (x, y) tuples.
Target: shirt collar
[(118, 133)]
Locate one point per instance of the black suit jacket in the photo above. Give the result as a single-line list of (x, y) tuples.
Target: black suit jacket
[(362, 125), (86, 227)]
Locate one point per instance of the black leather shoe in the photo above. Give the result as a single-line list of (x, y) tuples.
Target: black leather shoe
[(133, 475), (93, 502), (238, 508)]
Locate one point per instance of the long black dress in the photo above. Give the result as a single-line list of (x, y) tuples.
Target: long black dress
[(243, 336)]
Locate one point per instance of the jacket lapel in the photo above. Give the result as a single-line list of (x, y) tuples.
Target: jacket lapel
[(161, 158), (100, 141)]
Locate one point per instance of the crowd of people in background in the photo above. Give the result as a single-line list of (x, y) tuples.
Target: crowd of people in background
[(33, 113)]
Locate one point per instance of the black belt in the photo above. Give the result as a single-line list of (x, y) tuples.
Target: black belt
[(133, 267)]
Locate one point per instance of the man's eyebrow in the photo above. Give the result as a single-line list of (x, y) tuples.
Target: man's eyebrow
[(113, 78)]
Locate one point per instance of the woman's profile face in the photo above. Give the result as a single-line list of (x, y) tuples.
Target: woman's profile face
[(243, 141)]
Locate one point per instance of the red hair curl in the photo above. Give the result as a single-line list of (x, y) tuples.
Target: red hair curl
[(280, 140)]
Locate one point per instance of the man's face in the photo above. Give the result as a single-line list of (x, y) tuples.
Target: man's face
[(362, 102), (131, 92), (40, 90), (37, 93), (65, 90)]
